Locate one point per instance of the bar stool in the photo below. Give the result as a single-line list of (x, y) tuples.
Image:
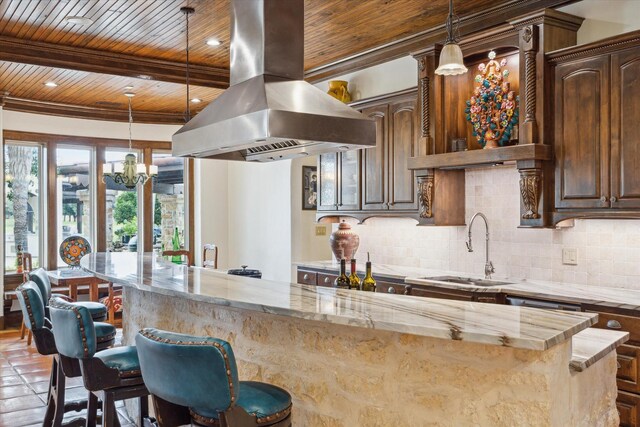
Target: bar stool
[(39, 276), (27, 266), (195, 379), (62, 367), (207, 263), (110, 375)]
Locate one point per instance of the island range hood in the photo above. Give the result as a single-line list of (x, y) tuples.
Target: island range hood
[(269, 112)]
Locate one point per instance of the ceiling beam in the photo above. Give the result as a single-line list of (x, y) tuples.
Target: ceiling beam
[(469, 24), (68, 110), (99, 61)]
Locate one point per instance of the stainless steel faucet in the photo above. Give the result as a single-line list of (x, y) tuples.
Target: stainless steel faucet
[(488, 266)]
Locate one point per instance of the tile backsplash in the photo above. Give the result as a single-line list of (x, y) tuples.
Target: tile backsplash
[(608, 250)]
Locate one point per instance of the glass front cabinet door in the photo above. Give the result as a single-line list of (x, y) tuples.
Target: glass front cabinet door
[(349, 181), (328, 173)]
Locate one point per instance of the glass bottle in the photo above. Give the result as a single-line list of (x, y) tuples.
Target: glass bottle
[(368, 283), (342, 281), (175, 242), (354, 280)]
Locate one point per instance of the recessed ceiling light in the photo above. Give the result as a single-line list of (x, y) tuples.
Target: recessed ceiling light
[(213, 42), (129, 94), (128, 87), (196, 100), (78, 20), (51, 84)]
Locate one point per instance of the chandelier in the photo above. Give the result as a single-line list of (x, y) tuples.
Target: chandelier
[(129, 173)]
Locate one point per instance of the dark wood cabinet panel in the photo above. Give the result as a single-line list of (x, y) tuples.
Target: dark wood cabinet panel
[(628, 368), (326, 279), (403, 143), (374, 182), (628, 407), (307, 277), (625, 138), (582, 134)]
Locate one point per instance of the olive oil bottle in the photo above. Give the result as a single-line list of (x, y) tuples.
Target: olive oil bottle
[(342, 281), (368, 283), (354, 280)]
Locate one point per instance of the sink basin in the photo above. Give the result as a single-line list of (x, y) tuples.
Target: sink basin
[(467, 281)]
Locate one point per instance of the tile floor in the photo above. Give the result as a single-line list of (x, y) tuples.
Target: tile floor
[(24, 382)]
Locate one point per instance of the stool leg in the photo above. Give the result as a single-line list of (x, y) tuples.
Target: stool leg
[(23, 330), (29, 335), (51, 404), (144, 410), (59, 393), (108, 410), (92, 410)]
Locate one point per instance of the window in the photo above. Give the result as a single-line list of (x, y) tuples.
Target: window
[(124, 210), (22, 189), (168, 202), (74, 204)]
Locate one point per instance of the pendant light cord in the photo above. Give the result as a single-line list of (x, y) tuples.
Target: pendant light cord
[(130, 120)]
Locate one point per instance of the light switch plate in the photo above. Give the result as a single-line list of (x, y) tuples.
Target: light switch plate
[(570, 256), (321, 230)]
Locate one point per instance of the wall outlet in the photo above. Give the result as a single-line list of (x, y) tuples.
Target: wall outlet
[(570, 256), (321, 230)]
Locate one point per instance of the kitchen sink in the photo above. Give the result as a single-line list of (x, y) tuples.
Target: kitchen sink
[(467, 281)]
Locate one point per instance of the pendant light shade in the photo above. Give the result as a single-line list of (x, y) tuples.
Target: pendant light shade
[(451, 61)]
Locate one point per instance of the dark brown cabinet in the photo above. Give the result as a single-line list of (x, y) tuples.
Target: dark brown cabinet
[(596, 142), (375, 181)]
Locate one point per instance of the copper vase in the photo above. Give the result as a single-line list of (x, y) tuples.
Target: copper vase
[(344, 242)]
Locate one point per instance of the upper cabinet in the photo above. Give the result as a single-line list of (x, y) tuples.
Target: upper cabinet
[(596, 138), (375, 181)]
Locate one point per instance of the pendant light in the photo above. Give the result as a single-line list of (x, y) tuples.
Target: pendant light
[(451, 61), (187, 11), (128, 173)]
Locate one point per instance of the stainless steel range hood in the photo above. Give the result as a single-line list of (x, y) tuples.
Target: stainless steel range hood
[(269, 112)]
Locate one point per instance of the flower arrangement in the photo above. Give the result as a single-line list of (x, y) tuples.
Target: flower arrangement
[(493, 108)]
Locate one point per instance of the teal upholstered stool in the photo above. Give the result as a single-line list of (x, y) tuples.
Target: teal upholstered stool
[(200, 373), (39, 276), (110, 375), (33, 311)]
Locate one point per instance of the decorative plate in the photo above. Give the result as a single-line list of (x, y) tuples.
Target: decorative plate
[(73, 248)]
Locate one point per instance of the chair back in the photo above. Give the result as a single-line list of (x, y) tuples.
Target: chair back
[(40, 277), (186, 254), (196, 372), (31, 305), (27, 265), (73, 329), (210, 263)]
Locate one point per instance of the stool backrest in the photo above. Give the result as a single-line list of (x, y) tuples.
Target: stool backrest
[(73, 329), (197, 372), (31, 305), (27, 265), (186, 254), (41, 278), (210, 263)]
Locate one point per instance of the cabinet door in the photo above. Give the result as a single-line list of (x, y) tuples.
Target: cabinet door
[(628, 407), (403, 143), (328, 182), (349, 181), (625, 138), (374, 160), (582, 134)]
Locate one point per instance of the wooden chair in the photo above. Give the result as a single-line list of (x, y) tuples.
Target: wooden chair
[(207, 263), (184, 253), (27, 266)]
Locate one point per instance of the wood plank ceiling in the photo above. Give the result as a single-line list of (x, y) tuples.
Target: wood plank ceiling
[(153, 31)]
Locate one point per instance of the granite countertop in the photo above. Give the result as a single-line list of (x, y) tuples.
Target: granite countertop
[(511, 326), (628, 299)]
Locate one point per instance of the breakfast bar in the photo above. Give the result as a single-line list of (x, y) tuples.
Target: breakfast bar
[(359, 358)]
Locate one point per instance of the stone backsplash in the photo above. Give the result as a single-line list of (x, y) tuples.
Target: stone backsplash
[(608, 250)]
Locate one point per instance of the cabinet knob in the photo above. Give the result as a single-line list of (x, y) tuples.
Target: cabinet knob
[(407, 290), (614, 199), (391, 290), (603, 199), (614, 324), (305, 277), (327, 280)]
